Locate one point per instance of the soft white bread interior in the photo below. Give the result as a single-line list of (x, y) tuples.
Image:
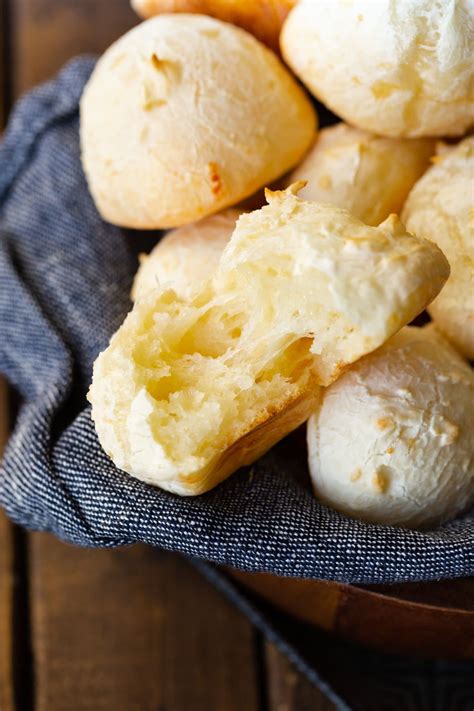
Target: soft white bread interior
[(394, 67), (184, 258), (392, 441), (441, 208), (369, 175), (185, 115), (190, 389)]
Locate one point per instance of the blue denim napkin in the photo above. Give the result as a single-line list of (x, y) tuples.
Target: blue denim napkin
[(65, 276)]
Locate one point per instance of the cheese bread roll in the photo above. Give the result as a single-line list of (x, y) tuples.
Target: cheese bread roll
[(369, 175), (399, 68), (185, 115), (392, 441), (263, 18), (441, 208), (191, 389), (186, 257)]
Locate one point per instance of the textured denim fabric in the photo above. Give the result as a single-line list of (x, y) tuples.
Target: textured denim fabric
[(64, 282)]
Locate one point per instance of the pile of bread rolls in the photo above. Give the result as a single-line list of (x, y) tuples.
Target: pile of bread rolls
[(246, 324)]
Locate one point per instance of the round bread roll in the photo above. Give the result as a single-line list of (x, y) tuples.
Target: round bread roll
[(368, 175), (185, 115), (189, 390), (392, 441), (185, 257), (440, 208), (263, 18), (396, 68)]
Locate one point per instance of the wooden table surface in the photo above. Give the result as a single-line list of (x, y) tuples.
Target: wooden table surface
[(114, 630)]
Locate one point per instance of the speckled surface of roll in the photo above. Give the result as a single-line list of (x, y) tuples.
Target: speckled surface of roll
[(186, 257), (392, 441), (185, 115), (441, 208), (394, 67), (366, 174)]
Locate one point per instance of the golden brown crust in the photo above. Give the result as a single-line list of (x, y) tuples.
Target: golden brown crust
[(262, 18), (147, 169)]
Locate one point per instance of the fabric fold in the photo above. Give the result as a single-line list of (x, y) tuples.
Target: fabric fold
[(65, 277)]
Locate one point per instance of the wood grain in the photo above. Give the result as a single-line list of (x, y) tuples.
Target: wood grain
[(287, 690), (134, 629), (3, 63), (7, 581), (455, 594), (47, 33), (6, 615), (390, 623)]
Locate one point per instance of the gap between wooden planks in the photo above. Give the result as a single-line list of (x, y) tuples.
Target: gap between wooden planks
[(131, 628)]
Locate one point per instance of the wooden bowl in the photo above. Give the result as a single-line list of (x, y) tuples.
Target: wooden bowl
[(424, 619)]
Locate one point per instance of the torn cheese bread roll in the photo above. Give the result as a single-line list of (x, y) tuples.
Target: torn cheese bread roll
[(369, 175), (399, 68), (262, 18), (191, 389), (184, 258), (392, 441), (185, 115), (440, 207)]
